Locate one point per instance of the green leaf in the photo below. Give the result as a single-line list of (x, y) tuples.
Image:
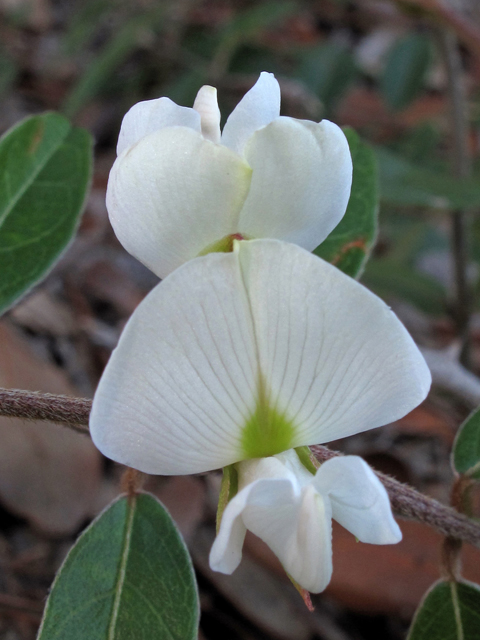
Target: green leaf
[(350, 243), (128, 576), (328, 70), (449, 611), (404, 74), (406, 184), (466, 448), (45, 168)]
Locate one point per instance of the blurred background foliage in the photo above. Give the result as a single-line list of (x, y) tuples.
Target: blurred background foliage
[(365, 64), (378, 66)]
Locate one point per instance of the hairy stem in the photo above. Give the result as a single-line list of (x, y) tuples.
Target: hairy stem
[(406, 502), (32, 405)]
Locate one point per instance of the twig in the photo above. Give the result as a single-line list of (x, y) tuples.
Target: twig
[(406, 502), (30, 405), (467, 32)]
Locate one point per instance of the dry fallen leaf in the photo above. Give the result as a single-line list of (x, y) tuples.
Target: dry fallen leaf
[(380, 579), (48, 473), (184, 497)]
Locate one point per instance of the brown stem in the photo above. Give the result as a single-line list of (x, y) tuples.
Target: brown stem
[(451, 561), (132, 481), (406, 502), (32, 405)]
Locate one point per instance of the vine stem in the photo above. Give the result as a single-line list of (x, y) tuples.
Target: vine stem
[(406, 501)]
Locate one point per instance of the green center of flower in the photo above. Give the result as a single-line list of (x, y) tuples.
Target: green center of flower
[(225, 245), (267, 431)]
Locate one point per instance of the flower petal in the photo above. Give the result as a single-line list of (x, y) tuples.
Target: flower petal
[(256, 109), (182, 381), (359, 500), (247, 354), (295, 525), (173, 194), (335, 359), (151, 115), (302, 175), (206, 105), (226, 552)]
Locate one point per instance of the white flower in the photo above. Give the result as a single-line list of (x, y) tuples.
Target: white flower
[(244, 355), (180, 187), (247, 354), (291, 510)]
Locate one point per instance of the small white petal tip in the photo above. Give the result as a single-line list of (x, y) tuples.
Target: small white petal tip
[(206, 105)]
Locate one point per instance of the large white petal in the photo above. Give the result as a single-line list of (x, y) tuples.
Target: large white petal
[(295, 524), (151, 115), (173, 194), (256, 109), (182, 381), (302, 174), (335, 358), (359, 500), (183, 384)]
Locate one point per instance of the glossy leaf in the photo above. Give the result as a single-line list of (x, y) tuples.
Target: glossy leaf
[(128, 576), (45, 168), (449, 611), (466, 449), (404, 74), (350, 243), (406, 184)]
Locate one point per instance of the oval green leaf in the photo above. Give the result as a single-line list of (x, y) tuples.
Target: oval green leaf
[(406, 184), (466, 448), (449, 611), (404, 75), (128, 576), (328, 70), (350, 243), (45, 168)]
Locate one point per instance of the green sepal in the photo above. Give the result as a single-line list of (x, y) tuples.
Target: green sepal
[(308, 460), (228, 490), (224, 245)]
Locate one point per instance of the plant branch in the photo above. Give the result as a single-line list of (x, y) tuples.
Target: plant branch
[(32, 405), (406, 502)]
